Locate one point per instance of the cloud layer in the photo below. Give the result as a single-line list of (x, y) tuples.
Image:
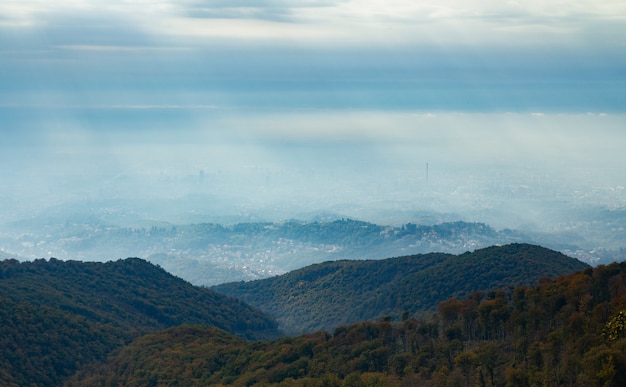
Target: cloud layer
[(338, 22), (344, 94)]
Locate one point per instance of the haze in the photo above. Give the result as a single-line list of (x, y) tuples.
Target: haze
[(189, 111)]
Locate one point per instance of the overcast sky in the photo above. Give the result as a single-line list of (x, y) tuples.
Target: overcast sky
[(363, 87)]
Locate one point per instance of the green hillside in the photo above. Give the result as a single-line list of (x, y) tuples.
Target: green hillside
[(326, 295), (57, 316), (568, 331)]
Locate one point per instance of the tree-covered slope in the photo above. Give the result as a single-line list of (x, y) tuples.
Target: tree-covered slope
[(330, 294), (131, 293), (569, 331), (41, 346), (59, 315)]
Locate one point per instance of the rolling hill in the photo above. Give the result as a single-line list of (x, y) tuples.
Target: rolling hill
[(568, 331), (326, 295), (57, 316)]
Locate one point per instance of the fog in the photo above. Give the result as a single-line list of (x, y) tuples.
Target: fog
[(359, 164), (198, 111)]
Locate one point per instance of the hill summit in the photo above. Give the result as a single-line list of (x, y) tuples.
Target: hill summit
[(324, 296), (57, 316)]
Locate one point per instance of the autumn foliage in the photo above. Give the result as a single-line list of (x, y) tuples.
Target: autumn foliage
[(563, 331)]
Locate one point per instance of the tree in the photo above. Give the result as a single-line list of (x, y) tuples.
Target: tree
[(466, 362), (615, 327)]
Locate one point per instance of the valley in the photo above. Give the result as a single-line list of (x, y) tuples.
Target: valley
[(210, 253)]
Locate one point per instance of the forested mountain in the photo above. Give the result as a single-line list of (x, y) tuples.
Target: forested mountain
[(326, 295), (57, 316), (568, 331), (211, 254)]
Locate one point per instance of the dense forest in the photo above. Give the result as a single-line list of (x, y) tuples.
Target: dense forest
[(326, 295), (561, 332), (58, 316), (435, 320)]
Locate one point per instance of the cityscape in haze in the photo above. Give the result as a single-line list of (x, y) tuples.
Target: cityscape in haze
[(127, 114)]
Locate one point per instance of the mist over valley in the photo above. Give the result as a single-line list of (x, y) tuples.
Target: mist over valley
[(312, 193), (217, 200)]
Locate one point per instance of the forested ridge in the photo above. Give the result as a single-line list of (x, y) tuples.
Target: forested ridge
[(70, 322), (58, 316), (326, 295), (561, 332)]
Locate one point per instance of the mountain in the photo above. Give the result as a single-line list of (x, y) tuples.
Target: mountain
[(57, 316), (326, 295), (209, 254), (565, 331)]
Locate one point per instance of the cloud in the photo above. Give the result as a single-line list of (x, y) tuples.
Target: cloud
[(355, 95), (339, 22), (466, 137), (448, 55), (119, 48), (422, 22), (272, 10)]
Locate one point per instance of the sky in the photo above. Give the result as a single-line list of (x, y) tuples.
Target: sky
[(307, 102)]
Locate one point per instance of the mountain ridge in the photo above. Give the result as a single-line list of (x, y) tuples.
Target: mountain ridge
[(565, 331), (209, 254), (324, 296), (59, 315)]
